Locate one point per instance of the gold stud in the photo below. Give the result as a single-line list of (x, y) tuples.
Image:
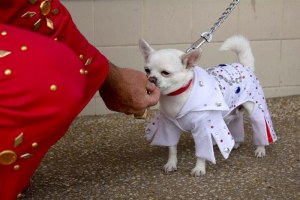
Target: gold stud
[(26, 155), (80, 56), (81, 71), (34, 145), (45, 7), (86, 71), (28, 14), (8, 157), (24, 48), (3, 33), (17, 167), (7, 72), (53, 87), (19, 195), (32, 1), (88, 61), (4, 53), (55, 11), (18, 140), (37, 25), (49, 23), (56, 39)]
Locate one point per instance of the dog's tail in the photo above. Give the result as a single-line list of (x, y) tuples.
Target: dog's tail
[(241, 46)]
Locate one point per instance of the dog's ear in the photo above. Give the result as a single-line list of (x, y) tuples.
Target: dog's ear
[(190, 58), (145, 49)]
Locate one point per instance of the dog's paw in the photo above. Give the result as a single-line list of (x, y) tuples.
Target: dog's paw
[(170, 166), (260, 152), (198, 171), (236, 145)]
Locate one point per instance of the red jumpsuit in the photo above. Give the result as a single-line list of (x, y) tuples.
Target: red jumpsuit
[(48, 73)]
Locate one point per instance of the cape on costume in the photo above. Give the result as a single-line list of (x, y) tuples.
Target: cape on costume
[(48, 73), (215, 94)]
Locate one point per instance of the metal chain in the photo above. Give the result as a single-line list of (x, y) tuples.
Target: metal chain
[(207, 36)]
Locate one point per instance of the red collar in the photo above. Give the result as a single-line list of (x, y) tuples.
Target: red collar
[(181, 90)]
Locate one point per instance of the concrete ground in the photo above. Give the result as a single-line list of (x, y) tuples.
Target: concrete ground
[(107, 157)]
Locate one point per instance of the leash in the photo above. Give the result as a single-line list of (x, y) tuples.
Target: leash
[(207, 36)]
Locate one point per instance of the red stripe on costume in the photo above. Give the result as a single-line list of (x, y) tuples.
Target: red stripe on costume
[(270, 139)]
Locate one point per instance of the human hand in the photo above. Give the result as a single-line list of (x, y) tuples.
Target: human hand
[(128, 91)]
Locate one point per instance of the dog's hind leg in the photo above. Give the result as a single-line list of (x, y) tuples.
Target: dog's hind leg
[(236, 128), (260, 149), (172, 161)]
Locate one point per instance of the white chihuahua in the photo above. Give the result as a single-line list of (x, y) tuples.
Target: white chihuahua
[(208, 103)]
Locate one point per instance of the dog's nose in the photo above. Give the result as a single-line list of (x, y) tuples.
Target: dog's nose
[(153, 79)]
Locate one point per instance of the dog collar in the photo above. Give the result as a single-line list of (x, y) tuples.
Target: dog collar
[(181, 90)]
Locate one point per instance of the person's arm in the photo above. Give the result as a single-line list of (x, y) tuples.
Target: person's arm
[(124, 90)]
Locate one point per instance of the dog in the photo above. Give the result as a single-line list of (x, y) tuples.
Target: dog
[(209, 103)]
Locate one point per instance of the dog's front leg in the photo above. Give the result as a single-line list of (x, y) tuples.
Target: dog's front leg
[(199, 169), (260, 151), (172, 161)]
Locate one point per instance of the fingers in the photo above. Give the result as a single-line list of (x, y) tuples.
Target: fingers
[(150, 87), (153, 97)]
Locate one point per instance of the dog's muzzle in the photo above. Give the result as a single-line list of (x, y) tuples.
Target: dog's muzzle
[(153, 79)]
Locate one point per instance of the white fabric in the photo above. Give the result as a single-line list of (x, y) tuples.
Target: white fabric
[(216, 92)]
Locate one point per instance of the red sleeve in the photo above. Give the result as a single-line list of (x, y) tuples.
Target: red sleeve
[(51, 18)]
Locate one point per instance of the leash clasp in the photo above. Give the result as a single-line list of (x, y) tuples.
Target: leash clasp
[(205, 37)]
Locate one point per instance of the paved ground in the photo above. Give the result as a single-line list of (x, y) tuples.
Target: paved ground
[(107, 157)]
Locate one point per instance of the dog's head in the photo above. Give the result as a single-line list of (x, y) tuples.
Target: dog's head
[(168, 69)]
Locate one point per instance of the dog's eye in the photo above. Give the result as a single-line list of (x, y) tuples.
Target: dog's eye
[(147, 70), (165, 73)]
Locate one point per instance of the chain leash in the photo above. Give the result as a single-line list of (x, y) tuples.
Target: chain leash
[(207, 36)]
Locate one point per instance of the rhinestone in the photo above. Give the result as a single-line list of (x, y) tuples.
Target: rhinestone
[(260, 106), (226, 150), (201, 83), (218, 104), (238, 89)]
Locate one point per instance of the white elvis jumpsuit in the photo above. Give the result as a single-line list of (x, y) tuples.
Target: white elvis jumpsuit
[(215, 94)]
